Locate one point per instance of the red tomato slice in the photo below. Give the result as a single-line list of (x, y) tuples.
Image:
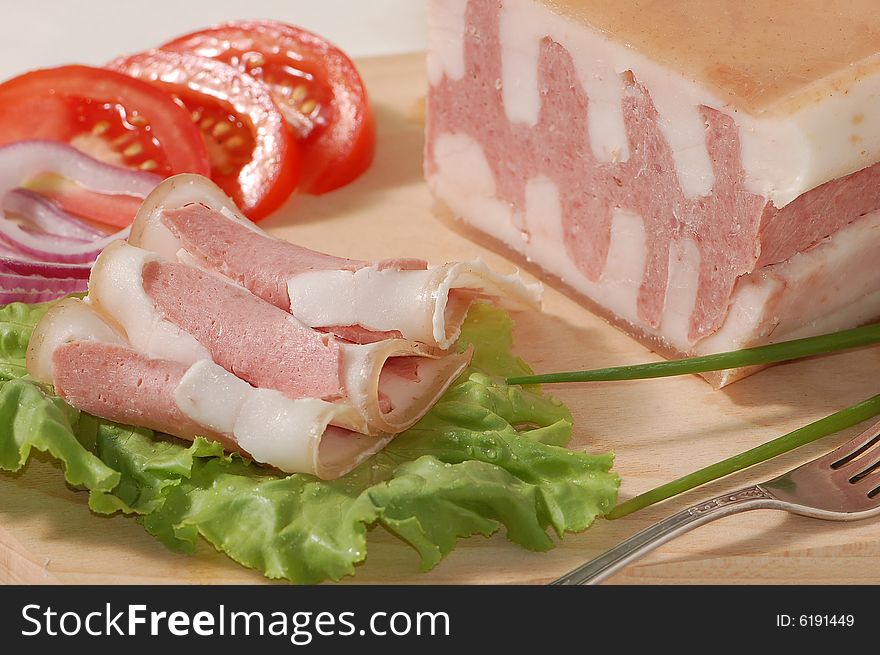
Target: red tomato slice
[(118, 211), (314, 83), (253, 156), (108, 115), (107, 209)]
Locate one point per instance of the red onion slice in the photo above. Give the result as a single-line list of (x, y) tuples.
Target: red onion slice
[(15, 264), (12, 261), (12, 283), (25, 159), (21, 161), (48, 216), (37, 288), (35, 231), (51, 248), (29, 297)]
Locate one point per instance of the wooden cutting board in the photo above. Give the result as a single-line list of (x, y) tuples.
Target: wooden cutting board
[(659, 429)]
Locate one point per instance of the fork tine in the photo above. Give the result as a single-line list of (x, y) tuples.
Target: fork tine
[(823, 488), (855, 448), (872, 466)]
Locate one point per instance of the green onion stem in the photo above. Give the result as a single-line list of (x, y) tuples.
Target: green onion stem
[(836, 422), (776, 352)]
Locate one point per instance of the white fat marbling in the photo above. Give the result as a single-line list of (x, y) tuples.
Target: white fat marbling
[(446, 39), (282, 432), (521, 39), (599, 65), (116, 289), (625, 264), (681, 293), (542, 239), (377, 300), (829, 287), (412, 302), (520, 49), (272, 428), (785, 153), (784, 157), (604, 88), (70, 320), (211, 396)]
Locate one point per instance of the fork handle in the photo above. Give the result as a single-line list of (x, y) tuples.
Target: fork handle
[(601, 567)]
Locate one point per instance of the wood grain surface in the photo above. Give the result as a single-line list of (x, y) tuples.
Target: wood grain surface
[(658, 429)]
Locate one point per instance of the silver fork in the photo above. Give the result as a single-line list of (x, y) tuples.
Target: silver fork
[(843, 485)]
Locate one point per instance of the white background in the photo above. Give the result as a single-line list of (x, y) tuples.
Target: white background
[(42, 33)]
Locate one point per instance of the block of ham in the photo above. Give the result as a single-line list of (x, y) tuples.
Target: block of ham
[(94, 368), (188, 219), (703, 174), (175, 312)]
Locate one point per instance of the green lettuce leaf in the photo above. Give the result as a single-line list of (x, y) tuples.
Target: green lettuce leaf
[(487, 456), (17, 321), (29, 419)]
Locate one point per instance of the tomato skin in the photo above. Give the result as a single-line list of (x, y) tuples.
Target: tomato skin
[(264, 181), (49, 104), (333, 154)]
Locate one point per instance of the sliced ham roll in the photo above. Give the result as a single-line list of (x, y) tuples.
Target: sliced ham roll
[(93, 368), (172, 311), (188, 219)]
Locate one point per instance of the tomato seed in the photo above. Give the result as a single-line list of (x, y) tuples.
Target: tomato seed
[(100, 127), (234, 142), (221, 128)]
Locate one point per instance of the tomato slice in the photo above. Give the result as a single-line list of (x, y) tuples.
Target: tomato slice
[(108, 115), (253, 157), (115, 211), (314, 83)]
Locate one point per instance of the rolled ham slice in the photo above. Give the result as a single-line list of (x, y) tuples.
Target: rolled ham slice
[(188, 219), (93, 368), (171, 311)]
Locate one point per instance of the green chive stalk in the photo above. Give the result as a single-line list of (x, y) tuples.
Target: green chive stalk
[(836, 422), (777, 352)]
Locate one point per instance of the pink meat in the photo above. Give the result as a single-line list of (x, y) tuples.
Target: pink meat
[(735, 230), (255, 260), (360, 335), (250, 338), (118, 384), (263, 264), (405, 367), (817, 214), (408, 264), (402, 367)]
